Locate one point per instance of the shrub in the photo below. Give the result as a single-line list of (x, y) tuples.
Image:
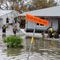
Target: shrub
[(13, 41)]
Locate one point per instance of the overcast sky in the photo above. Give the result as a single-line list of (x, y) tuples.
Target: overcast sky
[(58, 1)]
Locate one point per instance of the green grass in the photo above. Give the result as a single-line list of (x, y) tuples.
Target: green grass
[(13, 41)]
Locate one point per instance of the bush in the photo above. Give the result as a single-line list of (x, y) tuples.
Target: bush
[(13, 41)]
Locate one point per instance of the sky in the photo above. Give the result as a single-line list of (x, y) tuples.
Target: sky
[(58, 1)]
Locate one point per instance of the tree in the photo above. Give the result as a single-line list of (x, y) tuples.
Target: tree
[(39, 4), (18, 5), (51, 3), (1, 1)]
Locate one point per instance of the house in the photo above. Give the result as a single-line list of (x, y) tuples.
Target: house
[(4, 14), (52, 15)]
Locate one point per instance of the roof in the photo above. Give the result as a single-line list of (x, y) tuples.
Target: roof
[(52, 11), (4, 12)]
